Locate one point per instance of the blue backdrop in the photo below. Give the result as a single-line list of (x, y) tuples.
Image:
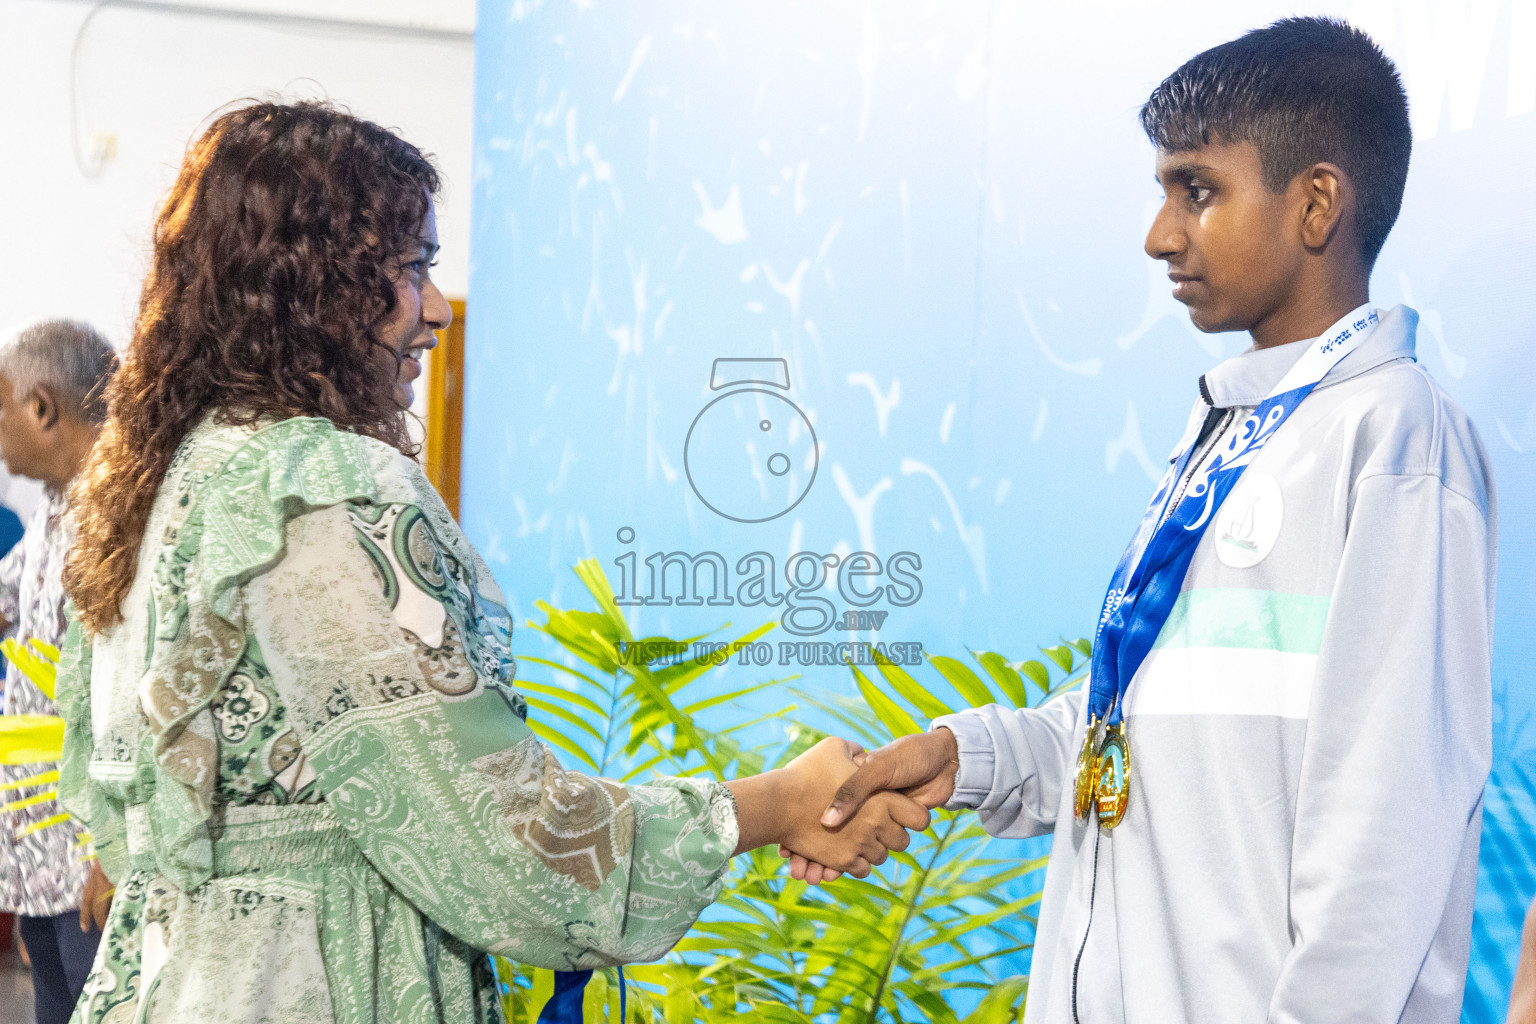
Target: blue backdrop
[(896, 248)]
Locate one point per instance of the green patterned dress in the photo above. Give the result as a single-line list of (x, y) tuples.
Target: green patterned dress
[(305, 766)]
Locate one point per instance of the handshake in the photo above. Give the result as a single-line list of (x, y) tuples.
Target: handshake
[(836, 809)]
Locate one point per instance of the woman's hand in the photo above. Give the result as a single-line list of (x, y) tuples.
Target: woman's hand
[(921, 767), (785, 807), (96, 900), (865, 838)]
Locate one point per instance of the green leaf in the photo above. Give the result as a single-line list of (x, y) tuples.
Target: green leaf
[(966, 683), (1003, 674), (559, 693), (567, 715), (590, 572), (1061, 654), (777, 715), (898, 721), (643, 770), (1070, 683), (654, 698), (724, 698), (675, 676), (559, 739), (935, 1009), (927, 705), (1037, 673), (530, 659), (854, 717), (1082, 644), (998, 1005)]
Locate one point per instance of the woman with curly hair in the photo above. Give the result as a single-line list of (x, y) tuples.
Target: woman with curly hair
[(292, 728)]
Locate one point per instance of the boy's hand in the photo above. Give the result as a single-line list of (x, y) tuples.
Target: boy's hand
[(921, 767), (886, 820), (865, 840), (96, 900)]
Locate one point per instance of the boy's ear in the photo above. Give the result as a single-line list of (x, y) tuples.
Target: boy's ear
[(44, 407), (1323, 189)]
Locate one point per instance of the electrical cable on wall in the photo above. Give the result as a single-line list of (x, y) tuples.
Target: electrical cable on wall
[(89, 170)]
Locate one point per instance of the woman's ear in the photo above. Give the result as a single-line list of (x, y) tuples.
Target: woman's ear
[(44, 407)]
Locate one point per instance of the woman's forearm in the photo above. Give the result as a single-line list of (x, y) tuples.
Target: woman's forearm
[(762, 805)]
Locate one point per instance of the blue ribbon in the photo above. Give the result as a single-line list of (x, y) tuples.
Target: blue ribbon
[(1147, 581), (564, 1007)]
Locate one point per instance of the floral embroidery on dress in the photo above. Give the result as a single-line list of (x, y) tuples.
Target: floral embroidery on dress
[(238, 707)]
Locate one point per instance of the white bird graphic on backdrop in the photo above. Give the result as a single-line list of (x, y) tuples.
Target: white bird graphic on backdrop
[(971, 534), (884, 403), (862, 506), (725, 223)]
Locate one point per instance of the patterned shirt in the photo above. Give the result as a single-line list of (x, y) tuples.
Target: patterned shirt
[(41, 874)]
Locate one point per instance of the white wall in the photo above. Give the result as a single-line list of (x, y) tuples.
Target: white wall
[(146, 77)]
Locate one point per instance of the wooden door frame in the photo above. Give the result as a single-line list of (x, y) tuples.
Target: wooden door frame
[(440, 455)]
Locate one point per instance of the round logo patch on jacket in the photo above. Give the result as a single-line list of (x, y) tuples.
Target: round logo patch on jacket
[(1248, 523)]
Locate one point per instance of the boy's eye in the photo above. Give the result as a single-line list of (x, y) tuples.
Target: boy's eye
[(1198, 193)]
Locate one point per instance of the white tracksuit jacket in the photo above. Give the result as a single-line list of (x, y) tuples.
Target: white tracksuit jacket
[(1309, 736)]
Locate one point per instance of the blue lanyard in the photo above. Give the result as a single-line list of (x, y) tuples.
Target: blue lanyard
[(564, 1007), (1146, 583)]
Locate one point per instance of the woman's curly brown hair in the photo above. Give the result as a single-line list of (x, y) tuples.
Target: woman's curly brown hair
[(273, 267)]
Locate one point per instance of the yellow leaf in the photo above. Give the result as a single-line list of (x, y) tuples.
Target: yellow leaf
[(57, 819), (38, 661), (45, 797), (31, 780), (31, 739)]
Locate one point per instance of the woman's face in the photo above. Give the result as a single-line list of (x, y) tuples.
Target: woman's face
[(420, 309)]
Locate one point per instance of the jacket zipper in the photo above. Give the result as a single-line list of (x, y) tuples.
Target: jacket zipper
[(1209, 445), (1204, 453)]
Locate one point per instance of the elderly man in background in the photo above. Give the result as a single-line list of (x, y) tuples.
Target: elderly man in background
[(51, 378)]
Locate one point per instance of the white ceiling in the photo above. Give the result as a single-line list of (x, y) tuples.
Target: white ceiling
[(436, 15)]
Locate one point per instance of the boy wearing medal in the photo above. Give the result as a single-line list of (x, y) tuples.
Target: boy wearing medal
[(1265, 805)]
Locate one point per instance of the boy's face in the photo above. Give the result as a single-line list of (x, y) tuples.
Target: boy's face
[(23, 437), (1233, 248)]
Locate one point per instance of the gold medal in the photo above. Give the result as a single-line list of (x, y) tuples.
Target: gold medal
[(1085, 780), (1113, 789)]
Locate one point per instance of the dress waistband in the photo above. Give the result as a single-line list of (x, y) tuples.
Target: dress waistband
[(256, 837)]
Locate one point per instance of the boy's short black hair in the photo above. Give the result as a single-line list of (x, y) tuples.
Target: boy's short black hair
[(1303, 91)]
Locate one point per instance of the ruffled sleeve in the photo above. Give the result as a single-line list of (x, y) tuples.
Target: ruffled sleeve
[(226, 527), (78, 793)]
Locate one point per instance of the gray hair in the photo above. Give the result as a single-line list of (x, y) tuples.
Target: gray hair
[(68, 357)]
